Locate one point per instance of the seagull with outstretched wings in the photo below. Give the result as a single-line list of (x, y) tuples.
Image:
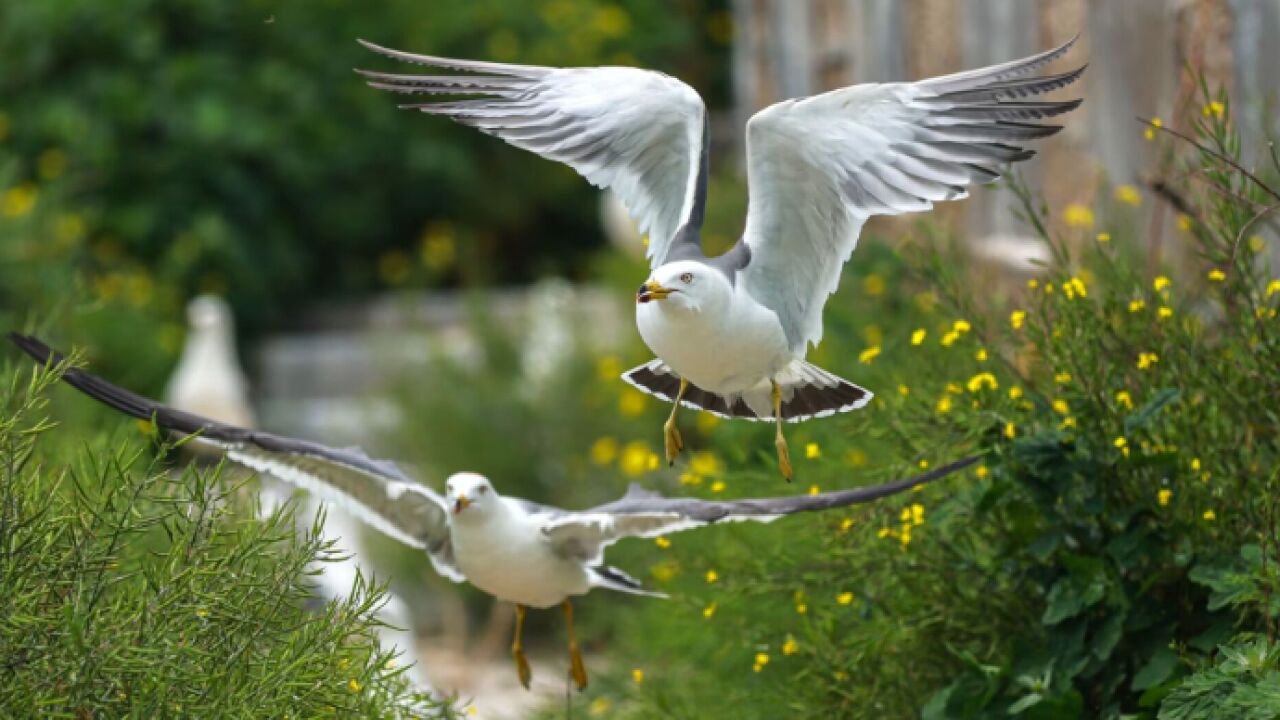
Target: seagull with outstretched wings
[(528, 554), (731, 332)]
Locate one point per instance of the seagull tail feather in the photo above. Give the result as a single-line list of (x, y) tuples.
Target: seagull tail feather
[(808, 392), (611, 578)]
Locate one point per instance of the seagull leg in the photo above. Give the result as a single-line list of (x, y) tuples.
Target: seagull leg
[(517, 649), (780, 442), (576, 667), (671, 439)]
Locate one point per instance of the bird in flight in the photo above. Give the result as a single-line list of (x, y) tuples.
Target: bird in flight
[(525, 553), (731, 332)]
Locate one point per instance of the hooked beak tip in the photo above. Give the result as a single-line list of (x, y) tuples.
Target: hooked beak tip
[(652, 290), (460, 504)]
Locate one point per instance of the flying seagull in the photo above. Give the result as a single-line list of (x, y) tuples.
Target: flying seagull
[(731, 332), (522, 552)]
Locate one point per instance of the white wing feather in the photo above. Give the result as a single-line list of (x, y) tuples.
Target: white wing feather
[(818, 167), (638, 132)]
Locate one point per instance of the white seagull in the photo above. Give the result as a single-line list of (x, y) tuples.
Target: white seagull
[(522, 552), (732, 331)]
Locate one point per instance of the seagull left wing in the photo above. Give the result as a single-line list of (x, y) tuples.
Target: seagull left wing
[(638, 132), (375, 490), (584, 535), (818, 167)]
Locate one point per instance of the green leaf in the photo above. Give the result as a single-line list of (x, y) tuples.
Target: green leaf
[(1024, 703), (1158, 669), (1143, 415)]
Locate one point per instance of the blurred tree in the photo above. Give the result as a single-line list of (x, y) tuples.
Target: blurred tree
[(227, 147)]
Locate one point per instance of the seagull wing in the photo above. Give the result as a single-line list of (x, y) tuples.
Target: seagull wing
[(818, 167), (641, 133), (584, 535), (375, 490)]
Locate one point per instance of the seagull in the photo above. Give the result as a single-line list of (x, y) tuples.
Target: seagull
[(522, 552), (731, 332)]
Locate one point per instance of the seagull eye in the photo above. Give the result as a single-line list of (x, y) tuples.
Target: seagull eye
[(686, 278), (483, 489)]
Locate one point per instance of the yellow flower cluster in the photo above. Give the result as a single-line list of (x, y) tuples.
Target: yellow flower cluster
[(1061, 407), (1150, 132), (1123, 398), (637, 458), (958, 328), (866, 356), (982, 472), (1147, 359), (637, 675), (917, 337), (1015, 392), (1062, 378), (662, 542), (1161, 283), (712, 576), (944, 405), (1010, 431), (1273, 287), (1210, 516), (844, 598), (709, 611), (812, 451), (1164, 312), (1075, 288), (981, 355), (1217, 275), (1164, 496), (762, 659), (1136, 305), (1122, 445), (632, 403), (790, 647), (1016, 318), (1215, 108)]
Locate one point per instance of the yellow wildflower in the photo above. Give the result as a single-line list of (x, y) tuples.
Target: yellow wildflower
[(1124, 399), (1273, 287), (1077, 215), (1150, 132), (944, 405), (950, 338), (1033, 283), (790, 646), (1103, 237), (1048, 288), (709, 610), (814, 490), (1078, 286), (981, 355), (1136, 306), (637, 459), (917, 514), (844, 598), (1016, 318), (637, 675), (604, 451), (961, 326), (632, 403), (917, 337), (1164, 312), (1163, 496), (353, 685), (846, 524), (924, 465), (717, 486), (1061, 407), (690, 478), (1128, 195), (1217, 275), (801, 608), (977, 382), (866, 356), (1067, 423), (761, 660), (662, 542), (202, 613), (1215, 108), (903, 390), (1195, 464), (812, 451), (1184, 223), (706, 463), (1121, 442), (954, 389), (1161, 282), (1062, 378), (1015, 392), (982, 472), (1010, 431), (1210, 515), (884, 532), (1147, 359), (18, 201)]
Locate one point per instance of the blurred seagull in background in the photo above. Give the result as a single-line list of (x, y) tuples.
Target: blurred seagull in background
[(731, 332), (208, 379), (528, 554)]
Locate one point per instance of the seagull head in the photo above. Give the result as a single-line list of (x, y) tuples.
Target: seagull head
[(685, 284), (209, 312), (469, 492)]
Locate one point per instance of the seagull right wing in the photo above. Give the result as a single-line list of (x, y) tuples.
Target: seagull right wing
[(640, 133), (584, 535), (375, 490)]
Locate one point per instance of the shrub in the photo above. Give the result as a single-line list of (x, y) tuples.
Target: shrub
[(128, 590)]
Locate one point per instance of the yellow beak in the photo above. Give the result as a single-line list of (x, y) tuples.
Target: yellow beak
[(651, 290), (460, 504)]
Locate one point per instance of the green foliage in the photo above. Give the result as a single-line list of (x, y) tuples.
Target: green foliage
[(198, 145), (130, 591)]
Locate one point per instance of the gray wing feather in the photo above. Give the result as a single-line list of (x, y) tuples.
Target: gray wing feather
[(376, 490), (641, 513), (640, 133), (818, 167)]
